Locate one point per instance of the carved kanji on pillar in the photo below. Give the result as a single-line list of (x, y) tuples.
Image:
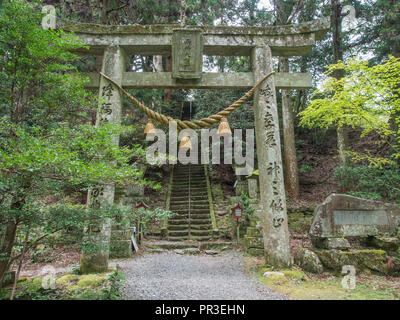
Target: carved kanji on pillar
[(272, 211)]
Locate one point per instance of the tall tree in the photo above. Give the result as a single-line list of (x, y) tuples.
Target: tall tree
[(286, 12), (336, 20)]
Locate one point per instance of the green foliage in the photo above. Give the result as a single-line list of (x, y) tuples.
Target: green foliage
[(113, 292), (368, 97), (365, 97), (70, 287), (305, 168), (48, 147), (369, 182), (150, 216), (248, 211)]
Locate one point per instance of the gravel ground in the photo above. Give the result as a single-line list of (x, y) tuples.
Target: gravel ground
[(173, 276)]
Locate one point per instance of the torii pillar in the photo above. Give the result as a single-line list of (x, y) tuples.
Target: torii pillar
[(95, 257)]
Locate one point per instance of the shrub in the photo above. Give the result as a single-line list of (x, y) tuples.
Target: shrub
[(368, 182)]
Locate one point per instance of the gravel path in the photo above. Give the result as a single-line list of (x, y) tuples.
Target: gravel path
[(172, 276)]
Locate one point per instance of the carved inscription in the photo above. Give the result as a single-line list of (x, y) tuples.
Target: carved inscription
[(187, 54), (106, 107), (358, 217)]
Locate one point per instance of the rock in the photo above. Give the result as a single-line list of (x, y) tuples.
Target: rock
[(271, 273), (191, 251), (308, 261), (211, 252), (374, 260), (253, 242), (342, 215), (179, 251), (335, 243), (274, 276), (120, 249), (255, 252), (295, 274), (156, 250), (8, 278), (389, 244), (254, 232)]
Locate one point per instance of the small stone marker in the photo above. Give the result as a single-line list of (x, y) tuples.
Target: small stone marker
[(253, 188), (342, 215)]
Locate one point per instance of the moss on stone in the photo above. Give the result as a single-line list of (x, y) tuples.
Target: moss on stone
[(66, 280), (91, 280), (308, 261), (295, 274), (374, 260), (276, 279), (299, 222)]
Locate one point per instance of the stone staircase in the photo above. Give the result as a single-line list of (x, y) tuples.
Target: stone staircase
[(189, 199)]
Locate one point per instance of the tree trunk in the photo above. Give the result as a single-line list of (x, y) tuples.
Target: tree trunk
[(158, 64), (104, 14), (6, 248), (289, 145), (168, 67), (342, 133)]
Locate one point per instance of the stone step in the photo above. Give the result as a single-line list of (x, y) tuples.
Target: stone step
[(193, 238), (179, 217), (199, 215), (192, 172), (183, 176), (200, 221), (192, 182), (178, 233), (193, 233), (193, 211), (193, 185), (185, 202), (174, 206), (182, 197), (183, 238), (196, 221), (193, 189), (199, 233), (201, 227), (178, 227), (169, 245), (200, 238), (193, 197)]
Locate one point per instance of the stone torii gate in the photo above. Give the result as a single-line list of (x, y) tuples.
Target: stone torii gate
[(187, 46)]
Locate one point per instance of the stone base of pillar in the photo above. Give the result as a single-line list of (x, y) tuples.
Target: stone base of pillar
[(120, 249), (94, 257), (120, 245), (94, 263)]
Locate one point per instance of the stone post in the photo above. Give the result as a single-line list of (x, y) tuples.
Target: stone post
[(110, 105), (253, 188), (272, 213)]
